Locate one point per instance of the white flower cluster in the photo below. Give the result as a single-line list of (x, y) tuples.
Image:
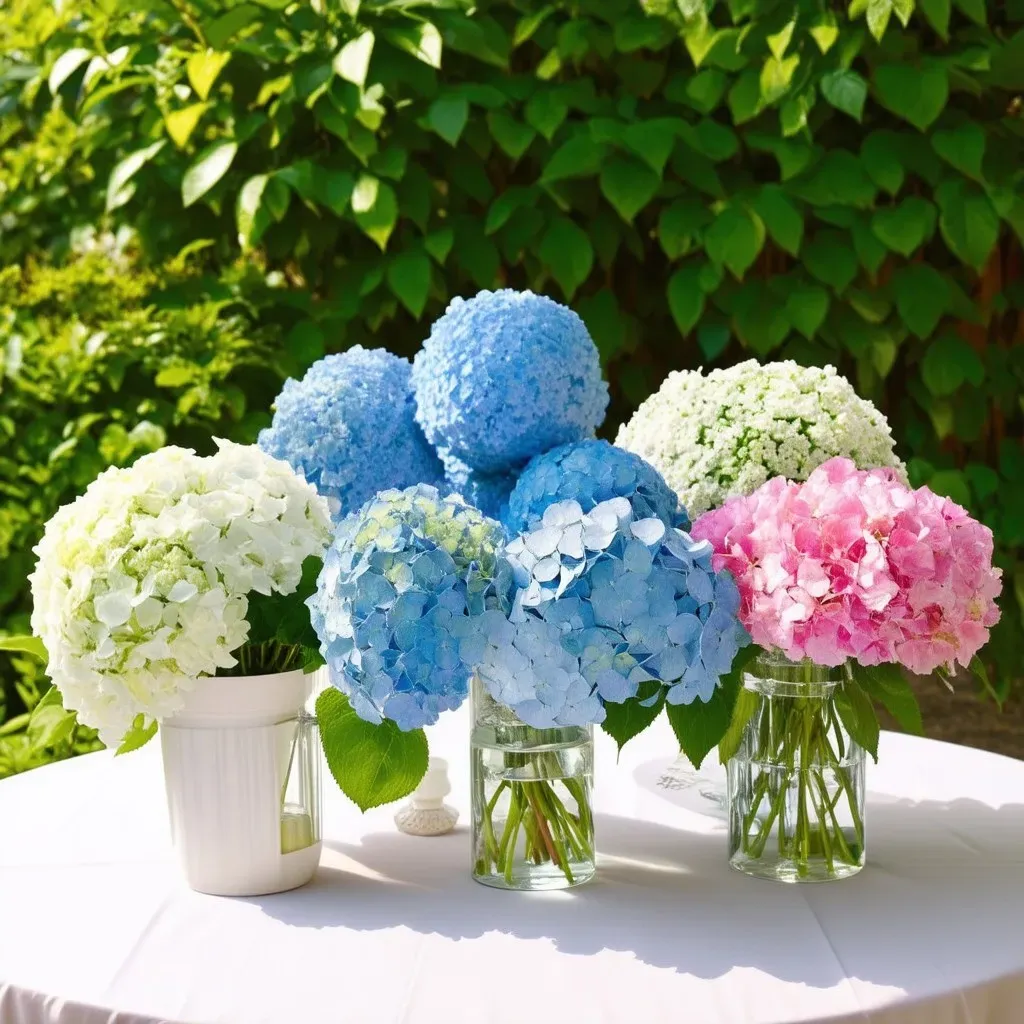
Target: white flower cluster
[(718, 436), (140, 585)]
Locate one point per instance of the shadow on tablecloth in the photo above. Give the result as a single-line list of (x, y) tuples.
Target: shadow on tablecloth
[(939, 907)]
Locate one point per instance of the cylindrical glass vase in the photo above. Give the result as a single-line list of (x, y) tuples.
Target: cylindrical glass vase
[(796, 785), (533, 826)]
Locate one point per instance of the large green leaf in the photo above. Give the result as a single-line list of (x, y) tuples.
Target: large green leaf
[(421, 39), (120, 187), (783, 220), (568, 254), (963, 147), (580, 157), (513, 136), (807, 307), (203, 70), (918, 95), (888, 685), (375, 207), (408, 276), (880, 155), (137, 736), (829, 258), (685, 298), (182, 123), (921, 297), (937, 13), (846, 91), (448, 116), (66, 65), (968, 221), (680, 224), (624, 721), (905, 228), (628, 185), (206, 170), (700, 727), (353, 59), (372, 764), (735, 238), (858, 715), (949, 362), (24, 645)]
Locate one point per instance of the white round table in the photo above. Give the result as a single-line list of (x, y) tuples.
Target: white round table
[(96, 928)]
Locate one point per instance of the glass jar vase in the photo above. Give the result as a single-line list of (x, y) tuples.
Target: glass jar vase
[(533, 825), (796, 784)]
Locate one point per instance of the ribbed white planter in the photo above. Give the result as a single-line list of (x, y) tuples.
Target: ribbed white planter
[(227, 755)]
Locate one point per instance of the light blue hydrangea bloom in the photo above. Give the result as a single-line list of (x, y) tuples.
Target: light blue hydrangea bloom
[(398, 600), (627, 599), (349, 428), (505, 376), (590, 472), (489, 492)]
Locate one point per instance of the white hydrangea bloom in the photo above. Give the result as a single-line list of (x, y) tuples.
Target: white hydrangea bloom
[(717, 436), (140, 585)]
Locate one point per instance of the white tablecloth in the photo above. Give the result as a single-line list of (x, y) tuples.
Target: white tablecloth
[(96, 928)]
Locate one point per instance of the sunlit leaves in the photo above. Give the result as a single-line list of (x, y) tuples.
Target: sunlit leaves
[(120, 187), (206, 170), (375, 207), (203, 70), (353, 59), (181, 123)]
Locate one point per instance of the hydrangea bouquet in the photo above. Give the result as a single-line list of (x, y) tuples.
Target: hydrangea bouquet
[(845, 580), (176, 568), (722, 435)]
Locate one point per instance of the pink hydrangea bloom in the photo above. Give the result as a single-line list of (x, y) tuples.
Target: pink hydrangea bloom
[(853, 564)]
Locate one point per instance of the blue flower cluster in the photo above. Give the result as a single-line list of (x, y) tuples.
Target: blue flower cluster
[(504, 376), (398, 600), (590, 472), (349, 428), (627, 599), (489, 492)]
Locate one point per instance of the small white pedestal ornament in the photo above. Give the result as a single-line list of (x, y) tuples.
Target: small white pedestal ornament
[(242, 771), (427, 814)]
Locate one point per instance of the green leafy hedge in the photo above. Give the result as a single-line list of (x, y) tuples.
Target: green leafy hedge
[(703, 180)]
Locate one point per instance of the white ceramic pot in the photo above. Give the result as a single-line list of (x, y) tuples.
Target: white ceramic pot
[(231, 755)]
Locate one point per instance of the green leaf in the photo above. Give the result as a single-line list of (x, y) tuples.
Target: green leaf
[(24, 645), (879, 11), (448, 116), (977, 667), (421, 39), (506, 204), (529, 23), (566, 251), (353, 59), (248, 219), (120, 187), (65, 66), (713, 339), (963, 147), (921, 297), (545, 111), (439, 243), (829, 258), (779, 41), (880, 155), (206, 170), (606, 323), (680, 224), (948, 362), (203, 69), (137, 736), (783, 220), (746, 705), (375, 207), (825, 31), (916, 94), (700, 727), (793, 113), (839, 179), (50, 724), (513, 137), (807, 307), (628, 185), (408, 276), (734, 239), (968, 222), (181, 123), (975, 10), (704, 91), (888, 685), (868, 248), (685, 298), (372, 764), (714, 140), (652, 141), (580, 157), (846, 91), (905, 228), (937, 14), (624, 721), (858, 715), (776, 76), (745, 97)]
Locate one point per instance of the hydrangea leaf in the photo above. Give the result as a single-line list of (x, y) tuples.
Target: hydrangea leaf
[(858, 715), (24, 645), (624, 721), (699, 727), (137, 736), (372, 764), (888, 685)]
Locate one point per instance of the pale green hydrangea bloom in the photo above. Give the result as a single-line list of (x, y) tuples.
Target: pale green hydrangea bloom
[(140, 585)]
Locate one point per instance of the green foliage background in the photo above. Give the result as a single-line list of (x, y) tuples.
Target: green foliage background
[(257, 183)]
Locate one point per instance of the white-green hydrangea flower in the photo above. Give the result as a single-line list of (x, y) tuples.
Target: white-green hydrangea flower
[(140, 585), (721, 435)]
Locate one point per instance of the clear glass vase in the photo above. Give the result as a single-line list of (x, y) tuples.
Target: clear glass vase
[(533, 825), (796, 785)]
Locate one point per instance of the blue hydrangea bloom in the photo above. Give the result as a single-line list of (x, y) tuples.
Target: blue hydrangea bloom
[(489, 492), (627, 599), (505, 376), (398, 600), (349, 428), (590, 472)]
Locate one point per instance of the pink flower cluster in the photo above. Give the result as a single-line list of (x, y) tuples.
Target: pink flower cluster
[(853, 564)]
